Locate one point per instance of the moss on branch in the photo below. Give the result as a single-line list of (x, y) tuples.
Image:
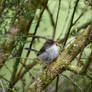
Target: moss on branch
[(63, 59)]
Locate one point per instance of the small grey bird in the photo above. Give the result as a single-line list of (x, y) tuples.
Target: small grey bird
[(48, 52)]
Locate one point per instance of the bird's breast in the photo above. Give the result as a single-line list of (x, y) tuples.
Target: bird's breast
[(50, 54)]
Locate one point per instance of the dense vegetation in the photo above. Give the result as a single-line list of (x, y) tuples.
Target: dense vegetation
[(29, 23)]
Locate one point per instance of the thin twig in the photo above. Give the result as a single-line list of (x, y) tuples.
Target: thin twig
[(28, 67), (79, 58), (82, 50), (52, 20), (23, 84), (57, 82), (67, 17), (84, 10), (3, 5), (2, 77), (36, 36), (2, 86), (83, 26), (73, 82), (87, 64), (35, 31), (71, 21), (54, 33)]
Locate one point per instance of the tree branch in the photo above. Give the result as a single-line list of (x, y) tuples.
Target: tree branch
[(17, 28), (63, 59)]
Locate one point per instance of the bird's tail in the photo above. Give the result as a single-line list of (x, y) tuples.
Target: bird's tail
[(29, 49)]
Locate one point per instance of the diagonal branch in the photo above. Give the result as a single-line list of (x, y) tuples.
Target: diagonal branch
[(63, 59)]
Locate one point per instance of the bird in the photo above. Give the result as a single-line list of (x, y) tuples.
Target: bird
[(48, 52)]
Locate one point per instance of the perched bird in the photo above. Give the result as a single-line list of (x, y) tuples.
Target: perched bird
[(48, 52)]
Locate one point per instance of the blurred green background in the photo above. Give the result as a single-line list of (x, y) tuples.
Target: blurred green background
[(46, 29)]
